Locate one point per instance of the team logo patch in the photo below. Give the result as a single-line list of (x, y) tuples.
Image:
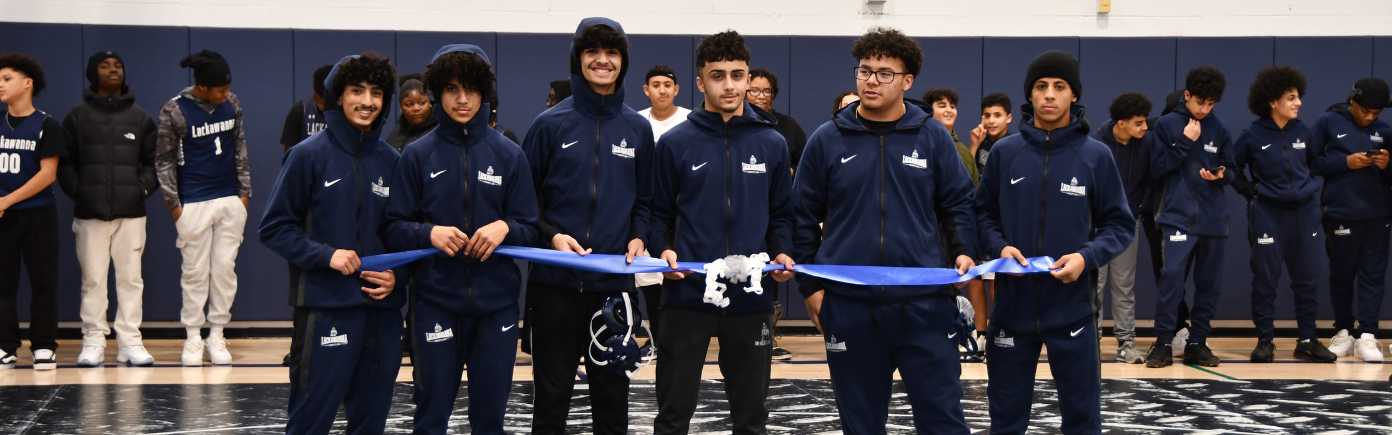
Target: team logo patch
[(622, 149), (489, 178), (1178, 237), (19, 144), (765, 339), (753, 167), (835, 346), (914, 162), (1003, 341), (1341, 231), (381, 189), (333, 339), (1073, 188), (439, 335), (1210, 147), (1298, 144), (1265, 239), (1375, 137)]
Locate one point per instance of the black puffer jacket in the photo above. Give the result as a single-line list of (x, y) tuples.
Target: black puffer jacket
[(110, 166)]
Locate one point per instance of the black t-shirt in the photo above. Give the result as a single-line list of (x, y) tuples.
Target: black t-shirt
[(54, 140), (294, 126), (880, 128)]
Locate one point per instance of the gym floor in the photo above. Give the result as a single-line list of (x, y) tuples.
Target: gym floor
[(1287, 396)]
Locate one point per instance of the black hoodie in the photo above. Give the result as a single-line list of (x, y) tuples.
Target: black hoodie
[(110, 166)]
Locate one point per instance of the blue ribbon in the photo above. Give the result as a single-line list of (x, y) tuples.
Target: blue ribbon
[(856, 275)]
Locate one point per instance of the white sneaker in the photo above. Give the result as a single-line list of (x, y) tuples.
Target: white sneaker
[(1368, 348), (217, 351), (91, 356), (7, 361), (135, 356), (43, 360), (193, 353), (1342, 344), (1180, 339)]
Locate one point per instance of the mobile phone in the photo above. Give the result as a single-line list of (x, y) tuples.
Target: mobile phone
[(1214, 170), (1373, 152)]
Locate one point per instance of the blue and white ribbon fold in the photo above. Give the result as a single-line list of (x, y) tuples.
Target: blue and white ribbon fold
[(856, 275)]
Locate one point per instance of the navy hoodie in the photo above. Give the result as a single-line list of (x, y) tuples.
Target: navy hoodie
[(1133, 164), (329, 195), (1278, 161), (1051, 193), (1188, 202), (722, 189), (902, 199), (1351, 194), (464, 176), (591, 159)]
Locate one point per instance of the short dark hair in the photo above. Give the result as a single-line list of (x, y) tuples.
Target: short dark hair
[(1206, 82), (887, 42), (1129, 105), (404, 88), (471, 70), (369, 68), (1272, 82), (935, 94), (600, 36), (321, 74), (768, 75), (28, 66), (723, 46), (996, 100), (836, 104)]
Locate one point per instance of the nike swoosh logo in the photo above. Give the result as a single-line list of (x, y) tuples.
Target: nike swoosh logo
[(1341, 136), (847, 159), (1315, 234), (506, 328), (1075, 333), (1267, 146), (436, 174), (695, 167), (952, 335), (330, 183), (1017, 180), (567, 145)]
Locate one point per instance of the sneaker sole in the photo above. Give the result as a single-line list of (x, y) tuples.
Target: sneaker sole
[(134, 364), (1157, 365), (782, 357), (1202, 363), (89, 365), (46, 366)]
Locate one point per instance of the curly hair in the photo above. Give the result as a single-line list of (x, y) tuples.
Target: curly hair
[(1206, 82), (723, 46), (1129, 105), (27, 66), (321, 74), (888, 42), (767, 75), (935, 95), (472, 71), (369, 68), (600, 36), (996, 100), (1272, 82)]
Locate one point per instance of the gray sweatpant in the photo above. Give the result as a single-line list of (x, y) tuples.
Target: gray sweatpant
[(1122, 272)]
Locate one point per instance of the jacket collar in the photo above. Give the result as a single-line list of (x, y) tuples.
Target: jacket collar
[(915, 115)]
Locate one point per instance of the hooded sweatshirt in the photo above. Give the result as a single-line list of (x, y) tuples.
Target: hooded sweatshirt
[(591, 159), (1351, 194), (1051, 193), (1133, 163), (722, 189), (1188, 202), (902, 199), (1278, 160), (405, 133), (330, 195), (466, 176)]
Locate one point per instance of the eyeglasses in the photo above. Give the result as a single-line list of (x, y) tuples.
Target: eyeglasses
[(864, 74), (759, 92)]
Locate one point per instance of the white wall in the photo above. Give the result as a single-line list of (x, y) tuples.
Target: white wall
[(758, 17)]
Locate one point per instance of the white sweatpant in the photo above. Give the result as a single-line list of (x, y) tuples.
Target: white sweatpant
[(99, 244), (210, 234)]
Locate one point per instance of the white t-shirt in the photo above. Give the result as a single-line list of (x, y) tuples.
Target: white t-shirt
[(660, 127)]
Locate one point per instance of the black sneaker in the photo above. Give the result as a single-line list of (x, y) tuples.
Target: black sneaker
[(1198, 354), (781, 354), (285, 361), (1159, 355), (1265, 352), (1314, 351)]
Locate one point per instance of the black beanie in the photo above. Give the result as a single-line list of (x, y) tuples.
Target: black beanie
[(97, 59), (209, 68), (1371, 93), (1054, 63)]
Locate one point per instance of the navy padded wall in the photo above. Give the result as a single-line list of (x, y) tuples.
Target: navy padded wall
[(316, 48), (1005, 61), (527, 63), (645, 51), (263, 81), (823, 67), (414, 50), (953, 63), (774, 53)]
